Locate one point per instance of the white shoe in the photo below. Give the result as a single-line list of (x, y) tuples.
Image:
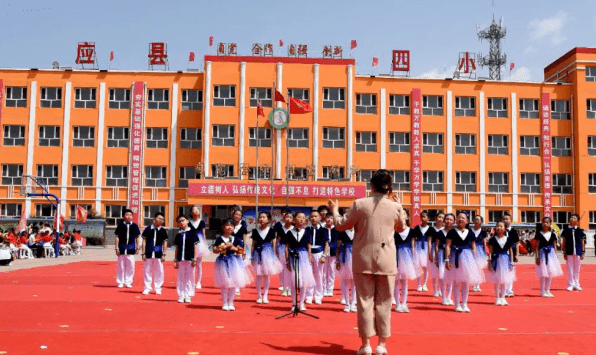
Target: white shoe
[(318, 302), (259, 300), (398, 309), (478, 289), (393, 302), (543, 294), (198, 287), (504, 302), (347, 308), (158, 292), (303, 308), (225, 308), (424, 288), (343, 301), (578, 288), (146, 292), (265, 300), (466, 309), (284, 293), (120, 285), (459, 309), (498, 302), (437, 294), (180, 299), (231, 307), (570, 288), (548, 294), (353, 308), (419, 289), (445, 302), (509, 294), (308, 301), (237, 292), (187, 300), (129, 285), (280, 288), (405, 309)]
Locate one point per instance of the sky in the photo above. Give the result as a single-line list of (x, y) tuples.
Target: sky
[(37, 33)]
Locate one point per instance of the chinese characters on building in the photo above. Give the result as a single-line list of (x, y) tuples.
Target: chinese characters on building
[(158, 54), (240, 189), (136, 156), (546, 155), (86, 54), (401, 60), (416, 156)]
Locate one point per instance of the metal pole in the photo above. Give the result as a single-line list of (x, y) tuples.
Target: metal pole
[(273, 130), (256, 170), (287, 168)]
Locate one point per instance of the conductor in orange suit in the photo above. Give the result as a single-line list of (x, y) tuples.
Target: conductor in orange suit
[(375, 218)]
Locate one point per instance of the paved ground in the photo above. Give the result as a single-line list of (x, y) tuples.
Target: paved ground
[(108, 254)]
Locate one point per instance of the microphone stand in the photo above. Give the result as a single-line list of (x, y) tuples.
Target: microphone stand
[(293, 254)]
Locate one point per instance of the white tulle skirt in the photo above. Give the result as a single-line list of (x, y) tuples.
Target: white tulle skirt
[(203, 250), (438, 272), (229, 272), (265, 263), (552, 269), (345, 268), (406, 268), (481, 258), (467, 271), (421, 254), (503, 272), (305, 273)]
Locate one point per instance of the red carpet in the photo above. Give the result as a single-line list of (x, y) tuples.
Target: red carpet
[(77, 309)]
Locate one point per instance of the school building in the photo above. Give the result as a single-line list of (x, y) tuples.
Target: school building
[(482, 141)]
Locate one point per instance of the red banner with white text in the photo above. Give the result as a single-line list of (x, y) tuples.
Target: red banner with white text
[(416, 143), (547, 187), (136, 149)]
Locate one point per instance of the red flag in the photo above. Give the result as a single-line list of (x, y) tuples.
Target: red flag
[(111, 56), (353, 44), (81, 214), (191, 57), (281, 43), (375, 61), (210, 41), (299, 106), (260, 111), (58, 217), (279, 97), (23, 222), (511, 66)]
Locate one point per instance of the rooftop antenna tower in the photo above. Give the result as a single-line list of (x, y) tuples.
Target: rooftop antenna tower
[(495, 59)]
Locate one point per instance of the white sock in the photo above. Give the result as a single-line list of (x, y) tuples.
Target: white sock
[(258, 284), (456, 293), (231, 295), (547, 281), (404, 292), (224, 296), (465, 290), (267, 280)]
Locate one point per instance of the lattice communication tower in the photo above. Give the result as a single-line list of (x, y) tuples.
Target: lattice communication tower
[(495, 59)]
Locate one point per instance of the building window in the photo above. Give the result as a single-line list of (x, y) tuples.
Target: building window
[(432, 142), (334, 98), (432, 216), (184, 210), (263, 140), (432, 181), (590, 73), (119, 99), (465, 106), (223, 136), (11, 210), (116, 175), (498, 144), (399, 104), (16, 96), (365, 175), (561, 218), (592, 214), (497, 107), (224, 95), (333, 137), (366, 141), (190, 138), (333, 174), (432, 105), (82, 175), (592, 145), (465, 181), (559, 109), (401, 180), (85, 97), (158, 99), (49, 136), (591, 183), (498, 182), (83, 136), (561, 146), (530, 183), (44, 210), (73, 210), (530, 217), (465, 143), (150, 211), (495, 216), (300, 94), (14, 135), (366, 103), (12, 174), (528, 108), (561, 183), (591, 108), (225, 171), (264, 96), (50, 98), (192, 100), (187, 173), (300, 174), (114, 214), (118, 137), (298, 137), (263, 173), (399, 142), (529, 145), (48, 174), (155, 176), (157, 138)]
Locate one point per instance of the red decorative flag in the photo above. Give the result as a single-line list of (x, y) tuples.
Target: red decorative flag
[(375, 61), (191, 57), (81, 214), (511, 66), (111, 56), (281, 43), (260, 111), (299, 106), (23, 222), (353, 44), (210, 41), (58, 225), (279, 97)]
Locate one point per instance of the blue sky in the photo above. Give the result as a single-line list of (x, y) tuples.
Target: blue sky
[(36, 33)]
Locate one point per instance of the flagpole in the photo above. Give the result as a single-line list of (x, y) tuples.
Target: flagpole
[(257, 164), (288, 157), (273, 130)]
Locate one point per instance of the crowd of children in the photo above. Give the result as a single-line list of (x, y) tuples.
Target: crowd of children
[(40, 241)]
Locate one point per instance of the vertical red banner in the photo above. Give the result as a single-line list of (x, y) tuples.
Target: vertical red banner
[(1, 99), (547, 187), (416, 148), (136, 149)]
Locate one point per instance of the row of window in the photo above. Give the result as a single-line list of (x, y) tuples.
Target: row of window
[(333, 137)]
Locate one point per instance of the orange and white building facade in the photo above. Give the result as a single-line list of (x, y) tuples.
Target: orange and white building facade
[(482, 141)]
